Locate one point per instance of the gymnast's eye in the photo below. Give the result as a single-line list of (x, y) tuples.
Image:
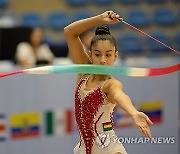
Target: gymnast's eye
[(97, 55), (108, 55)]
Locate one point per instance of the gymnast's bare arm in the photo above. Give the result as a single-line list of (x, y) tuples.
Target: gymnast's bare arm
[(72, 32), (115, 91)]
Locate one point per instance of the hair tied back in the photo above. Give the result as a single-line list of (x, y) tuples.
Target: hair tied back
[(102, 30)]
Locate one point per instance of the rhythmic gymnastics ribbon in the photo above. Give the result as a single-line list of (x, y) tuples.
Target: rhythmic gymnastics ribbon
[(96, 69), (133, 27)]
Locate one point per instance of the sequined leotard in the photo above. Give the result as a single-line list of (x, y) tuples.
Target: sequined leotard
[(93, 114)]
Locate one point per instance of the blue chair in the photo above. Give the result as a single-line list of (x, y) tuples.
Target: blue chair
[(129, 1), (177, 40), (138, 18), (77, 2), (103, 2), (32, 19), (3, 3), (58, 20), (129, 43), (82, 15), (164, 17), (155, 1), (157, 47), (60, 48)]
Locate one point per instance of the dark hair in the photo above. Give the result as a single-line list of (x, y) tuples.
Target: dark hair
[(31, 32), (103, 33)]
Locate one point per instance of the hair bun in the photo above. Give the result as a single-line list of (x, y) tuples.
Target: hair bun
[(101, 30)]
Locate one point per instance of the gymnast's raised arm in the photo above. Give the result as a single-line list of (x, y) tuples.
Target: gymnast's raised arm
[(72, 32)]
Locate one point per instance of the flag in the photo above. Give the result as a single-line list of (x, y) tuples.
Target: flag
[(25, 125), (107, 126), (121, 119), (2, 128), (153, 109), (59, 122)]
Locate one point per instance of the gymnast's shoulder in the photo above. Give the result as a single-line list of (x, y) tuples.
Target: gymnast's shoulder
[(112, 83)]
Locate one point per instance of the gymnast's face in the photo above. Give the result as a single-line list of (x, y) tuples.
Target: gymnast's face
[(103, 53)]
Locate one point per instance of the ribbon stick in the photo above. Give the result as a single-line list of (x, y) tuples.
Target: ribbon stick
[(178, 52), (96, 69)]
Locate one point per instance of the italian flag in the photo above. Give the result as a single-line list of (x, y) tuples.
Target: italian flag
[(59, 122)]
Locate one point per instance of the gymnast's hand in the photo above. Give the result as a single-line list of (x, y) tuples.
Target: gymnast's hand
[(142, 121), (110, 17)]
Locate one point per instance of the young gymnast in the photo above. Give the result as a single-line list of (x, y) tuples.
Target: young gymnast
[(97, 95)]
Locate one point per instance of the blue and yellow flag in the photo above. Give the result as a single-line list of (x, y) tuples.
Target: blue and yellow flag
[(153, 109), (24, 125)]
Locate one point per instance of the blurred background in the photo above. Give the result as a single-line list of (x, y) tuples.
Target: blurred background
[(36, 112)]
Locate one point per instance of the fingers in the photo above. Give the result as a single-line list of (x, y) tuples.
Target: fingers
[(145, 128), (120, 19), (149, 133), (145, 131), (149, 121), (144, 125), (110, 13), (142, 121), (114, 16)]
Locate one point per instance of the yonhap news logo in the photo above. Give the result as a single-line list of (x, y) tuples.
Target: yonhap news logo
[(104, 139), (144, 140)]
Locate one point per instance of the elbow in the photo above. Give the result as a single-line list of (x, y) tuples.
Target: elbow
[(66, 31)]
